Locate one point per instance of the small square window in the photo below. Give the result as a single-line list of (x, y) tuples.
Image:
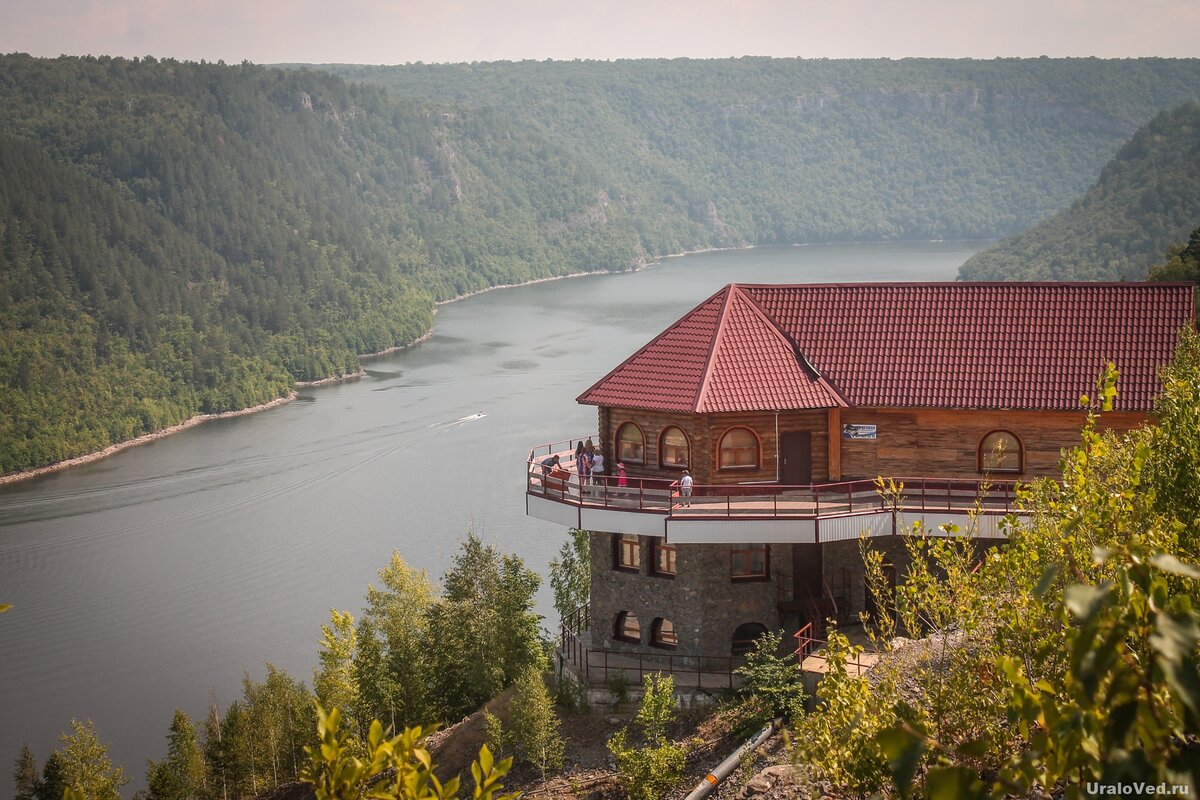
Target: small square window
[(627, 553), (748, 562), (664, 560)]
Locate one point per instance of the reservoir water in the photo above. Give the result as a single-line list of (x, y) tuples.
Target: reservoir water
[(155, 579)]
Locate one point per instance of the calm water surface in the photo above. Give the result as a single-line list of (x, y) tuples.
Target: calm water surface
[(154, 579)]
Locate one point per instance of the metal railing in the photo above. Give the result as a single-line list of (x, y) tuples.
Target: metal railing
[(809, 648), (662, 496), (599, 665)]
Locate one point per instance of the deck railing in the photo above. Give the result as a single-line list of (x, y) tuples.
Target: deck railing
[(662, 496), (598, 666), (810, 649)]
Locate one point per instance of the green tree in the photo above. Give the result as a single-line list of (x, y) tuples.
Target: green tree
[(279, 720), (397, 613), (54, 779), (182, 774), (86, 765), (333, 680), (25, 775), (532, 735), (571, 574), (772, 680), (647, 772), (1068, 657), (487, 630)]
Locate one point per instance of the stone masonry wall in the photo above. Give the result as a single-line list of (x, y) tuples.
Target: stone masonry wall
[(702, 600)]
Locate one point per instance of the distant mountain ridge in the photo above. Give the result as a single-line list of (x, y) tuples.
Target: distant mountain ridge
[(178, 238), (793, 150), (1147, 199)]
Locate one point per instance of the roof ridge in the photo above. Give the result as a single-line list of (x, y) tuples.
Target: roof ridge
[(968, 284), (669, 329), (718, 334), (805, 363)]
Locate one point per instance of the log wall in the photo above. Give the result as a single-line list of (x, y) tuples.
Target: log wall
[(704, 433), (945, 443), (908, 443)]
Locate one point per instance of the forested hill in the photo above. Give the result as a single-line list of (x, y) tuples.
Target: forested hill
[(765, 151), (1147, 198), (179, 238)]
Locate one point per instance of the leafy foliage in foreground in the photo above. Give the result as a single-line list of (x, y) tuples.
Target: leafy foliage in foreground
[(399, 768), (1069, 657)]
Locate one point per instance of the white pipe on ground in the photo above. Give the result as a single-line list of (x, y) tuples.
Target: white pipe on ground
[(710, 781)]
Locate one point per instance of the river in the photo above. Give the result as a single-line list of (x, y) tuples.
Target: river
[(154, 579)]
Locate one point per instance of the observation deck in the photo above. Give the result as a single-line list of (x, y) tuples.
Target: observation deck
[(762, 512)]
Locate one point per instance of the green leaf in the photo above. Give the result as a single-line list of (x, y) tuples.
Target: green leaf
[(1046, 581), (903, 749), (1173, 642), (1169, 563), (1084, 601), (952, 783)]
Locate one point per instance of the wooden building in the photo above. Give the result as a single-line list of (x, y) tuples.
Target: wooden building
[(784, 403)]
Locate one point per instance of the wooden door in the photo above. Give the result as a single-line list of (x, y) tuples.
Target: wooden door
[(795, 457)]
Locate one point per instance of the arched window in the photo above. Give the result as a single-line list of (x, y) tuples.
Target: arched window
[(1001, 451), (631, 443), (739, 448), (662, 633), (673, 450), (627, 628), (745, 636)]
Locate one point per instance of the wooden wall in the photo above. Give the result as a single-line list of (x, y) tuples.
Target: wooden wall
[(908, 443), (704, 433), (945, 443)]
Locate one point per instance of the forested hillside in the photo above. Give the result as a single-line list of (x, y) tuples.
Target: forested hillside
[(1147, 198), (764, 151), (179, 238)]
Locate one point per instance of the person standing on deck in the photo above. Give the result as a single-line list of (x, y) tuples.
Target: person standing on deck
[(685, 488), (583, 464)]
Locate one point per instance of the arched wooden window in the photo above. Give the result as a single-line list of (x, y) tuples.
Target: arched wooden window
[(673, 449), (739, 448), (662, 633), (1001, 451), (745, 636), (627, 628), (631, 443)]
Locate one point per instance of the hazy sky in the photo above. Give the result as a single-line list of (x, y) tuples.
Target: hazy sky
[(399, 31)]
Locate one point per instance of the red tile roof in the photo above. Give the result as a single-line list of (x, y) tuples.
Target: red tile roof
[(1032, 346)]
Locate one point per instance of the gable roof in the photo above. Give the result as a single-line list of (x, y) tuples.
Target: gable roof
[(724, 355), (1034, 346)]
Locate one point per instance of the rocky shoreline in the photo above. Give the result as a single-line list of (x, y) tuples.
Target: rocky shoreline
[(113, 449)]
